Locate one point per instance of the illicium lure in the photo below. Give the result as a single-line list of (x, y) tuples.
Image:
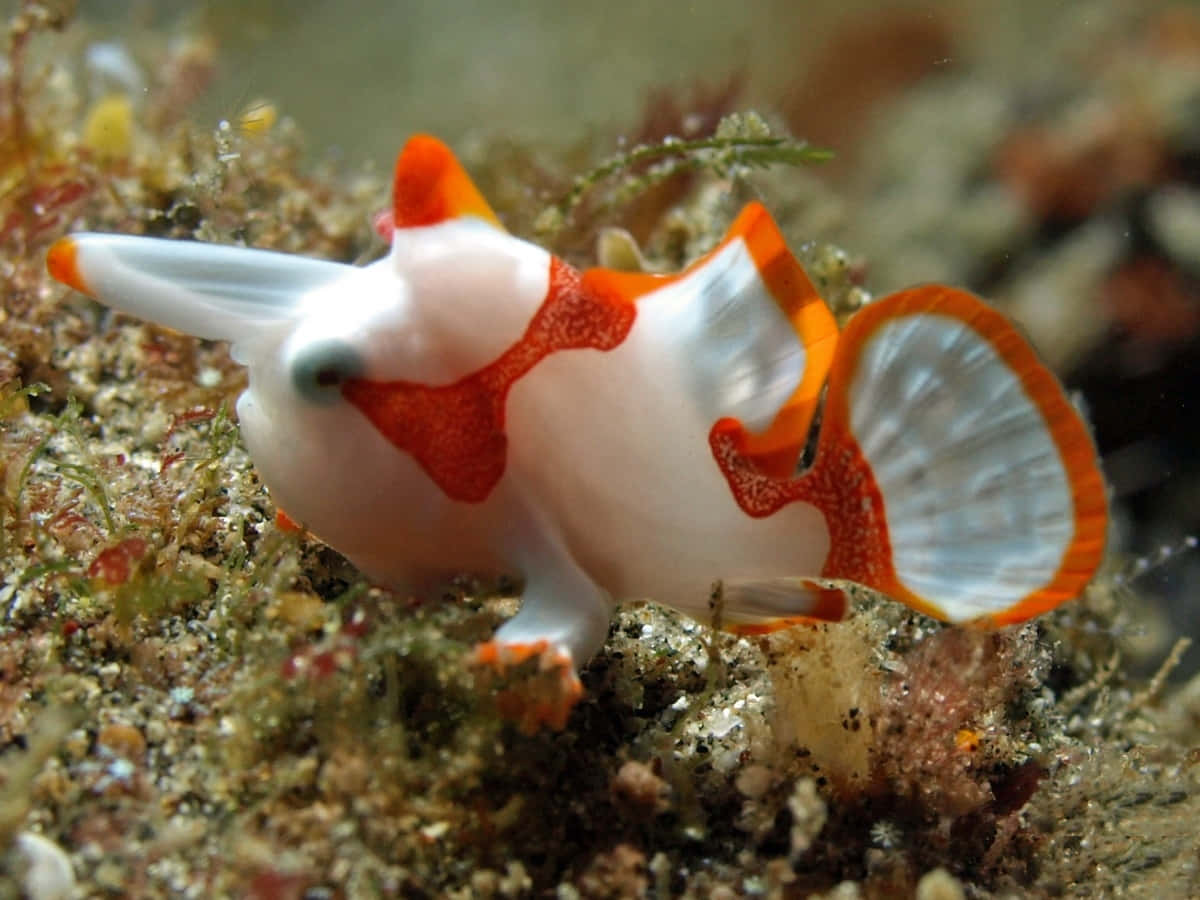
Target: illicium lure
[(470, 403)]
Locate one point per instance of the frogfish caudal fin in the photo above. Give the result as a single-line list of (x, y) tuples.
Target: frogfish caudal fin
[(953, 472)]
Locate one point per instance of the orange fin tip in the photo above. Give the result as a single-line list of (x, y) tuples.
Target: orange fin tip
[(287, 524), (776, 451), (62, 262)]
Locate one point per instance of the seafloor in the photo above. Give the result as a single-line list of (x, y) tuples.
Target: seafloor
[(194, 703)]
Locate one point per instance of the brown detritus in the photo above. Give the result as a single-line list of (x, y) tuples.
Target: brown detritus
[(120, 739), (272, 884), (953, 680), (933, 748), (1175, 31), (615, 874), (1068, 175), (42, 736), (31, 19), (1110, 811), (1154, 304), (114, 565), (640, 791)]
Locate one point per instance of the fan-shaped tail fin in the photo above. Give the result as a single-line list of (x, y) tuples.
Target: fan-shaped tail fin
[(974, 488)]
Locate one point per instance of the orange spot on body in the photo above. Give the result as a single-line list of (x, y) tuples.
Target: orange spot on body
[(456, 431)]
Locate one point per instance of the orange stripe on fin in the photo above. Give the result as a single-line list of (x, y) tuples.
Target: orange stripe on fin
[(775, 450), (431, 186)]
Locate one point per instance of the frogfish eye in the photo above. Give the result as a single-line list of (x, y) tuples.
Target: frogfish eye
[(320, 369)]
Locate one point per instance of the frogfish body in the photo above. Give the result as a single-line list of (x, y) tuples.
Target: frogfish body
[(471, 403)]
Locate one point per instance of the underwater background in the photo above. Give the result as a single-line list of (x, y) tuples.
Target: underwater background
[(194, 702)]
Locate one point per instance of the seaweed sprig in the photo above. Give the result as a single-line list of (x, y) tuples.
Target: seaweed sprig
[(740, 143), (84, 473)]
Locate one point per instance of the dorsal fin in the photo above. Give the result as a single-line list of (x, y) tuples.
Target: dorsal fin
[(431, 186), (733, 308)]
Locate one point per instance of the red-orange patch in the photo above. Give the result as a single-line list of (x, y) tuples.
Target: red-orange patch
[(840, 484), (456, 431)]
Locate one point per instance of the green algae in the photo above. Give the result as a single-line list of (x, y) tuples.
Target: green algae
[(741, 143)]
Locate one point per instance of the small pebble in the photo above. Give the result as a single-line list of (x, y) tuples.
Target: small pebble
[(49, 875), (122, 740), (939, 885)]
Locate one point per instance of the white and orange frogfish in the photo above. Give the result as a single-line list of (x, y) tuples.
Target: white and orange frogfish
[(472, 404)]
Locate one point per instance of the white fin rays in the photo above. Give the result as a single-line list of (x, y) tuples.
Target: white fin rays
[(202, 289), (994, 506), (744, 357), (754, 339)]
